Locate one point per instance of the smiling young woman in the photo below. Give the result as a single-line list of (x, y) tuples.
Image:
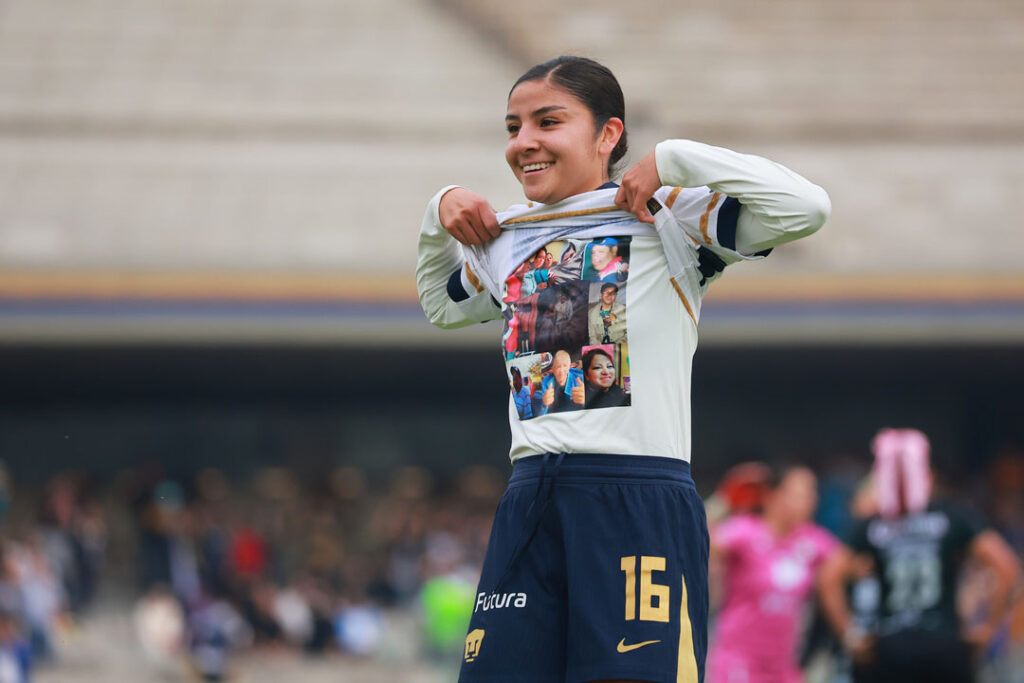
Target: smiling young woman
[(601, 534)]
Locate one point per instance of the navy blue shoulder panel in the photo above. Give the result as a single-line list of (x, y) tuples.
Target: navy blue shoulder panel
[(456, 292), (728, 216)]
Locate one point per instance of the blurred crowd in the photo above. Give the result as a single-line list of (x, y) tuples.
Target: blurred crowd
[(52, 555), (312, 565), (216, 565)]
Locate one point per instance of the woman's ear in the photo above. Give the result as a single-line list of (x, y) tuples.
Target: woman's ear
[(610, 133)]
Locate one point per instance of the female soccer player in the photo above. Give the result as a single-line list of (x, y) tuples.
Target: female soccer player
[(916, 548), (768, 564), (596, 568)]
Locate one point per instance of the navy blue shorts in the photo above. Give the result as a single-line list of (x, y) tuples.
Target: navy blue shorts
[(596, 569)]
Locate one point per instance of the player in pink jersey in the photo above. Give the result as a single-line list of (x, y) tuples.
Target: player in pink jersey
[(767, 564)]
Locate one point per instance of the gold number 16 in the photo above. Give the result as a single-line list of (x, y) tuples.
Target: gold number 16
[(648, 589)]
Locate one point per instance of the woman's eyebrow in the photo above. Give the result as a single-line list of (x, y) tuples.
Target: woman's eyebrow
[(539, 112)]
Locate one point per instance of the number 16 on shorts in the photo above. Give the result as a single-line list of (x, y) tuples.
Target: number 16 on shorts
[(653, 597)]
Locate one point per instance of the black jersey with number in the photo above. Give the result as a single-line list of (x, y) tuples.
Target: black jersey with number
[(917, 560)]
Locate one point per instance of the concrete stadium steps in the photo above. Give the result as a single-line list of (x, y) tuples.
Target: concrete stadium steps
[(153, 204), (335, 68), (905, 209), (753, 68), (237, 134), (263, 135), (249, 205)]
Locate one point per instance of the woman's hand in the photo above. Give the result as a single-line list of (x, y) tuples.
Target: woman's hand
[(549, 396), (467, 216), (638, 185), (859, 644)]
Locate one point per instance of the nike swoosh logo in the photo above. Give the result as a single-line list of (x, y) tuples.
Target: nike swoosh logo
[(622, 647)]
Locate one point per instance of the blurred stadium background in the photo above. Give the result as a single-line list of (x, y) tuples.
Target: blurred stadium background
[(213, 363)]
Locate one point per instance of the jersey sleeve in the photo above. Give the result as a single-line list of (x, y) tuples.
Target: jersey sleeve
[(707, 219), (451, 292), (739, 206)]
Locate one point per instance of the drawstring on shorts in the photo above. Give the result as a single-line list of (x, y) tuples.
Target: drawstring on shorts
[(534, 513)]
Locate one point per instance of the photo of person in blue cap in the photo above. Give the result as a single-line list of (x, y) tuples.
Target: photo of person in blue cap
[(606, 260)]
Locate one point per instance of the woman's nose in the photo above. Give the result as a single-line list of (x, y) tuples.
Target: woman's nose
[(526, 139)]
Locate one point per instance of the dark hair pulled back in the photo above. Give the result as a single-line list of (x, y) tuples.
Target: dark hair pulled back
[(589, 356), (591, 83)]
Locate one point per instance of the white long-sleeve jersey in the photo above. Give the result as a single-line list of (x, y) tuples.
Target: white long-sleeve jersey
[(719, 207)]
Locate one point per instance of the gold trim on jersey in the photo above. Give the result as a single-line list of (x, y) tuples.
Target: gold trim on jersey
[(563, 214), (707, 214), (682, 297), (672, 196), (473, 279), (686, 667)]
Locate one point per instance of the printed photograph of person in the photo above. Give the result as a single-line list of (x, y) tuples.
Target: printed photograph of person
[(600, 378), (536, 276), (606, 320), (570, 260), (529, 278), (563, 308), (561, 317), (522, 394), (526, 311), (562, 388), (607, 260), (510, 337), (514, 283), (533, 368)]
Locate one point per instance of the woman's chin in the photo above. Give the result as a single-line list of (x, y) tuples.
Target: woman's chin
[(537, 195)]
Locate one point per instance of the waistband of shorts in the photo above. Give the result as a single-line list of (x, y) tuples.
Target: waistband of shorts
[(601, 467)]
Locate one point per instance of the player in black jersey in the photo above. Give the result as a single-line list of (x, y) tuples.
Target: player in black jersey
[(915, 548)]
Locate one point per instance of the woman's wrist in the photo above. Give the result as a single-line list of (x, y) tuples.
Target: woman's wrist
[(853, 637)]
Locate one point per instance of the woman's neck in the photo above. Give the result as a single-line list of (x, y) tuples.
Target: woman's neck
[(781, 526)]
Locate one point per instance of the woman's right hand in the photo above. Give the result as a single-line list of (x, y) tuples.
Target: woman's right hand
[(549, 396), (468, 216)]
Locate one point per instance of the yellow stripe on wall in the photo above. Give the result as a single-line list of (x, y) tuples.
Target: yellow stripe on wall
[(686, 668), (390, 287)]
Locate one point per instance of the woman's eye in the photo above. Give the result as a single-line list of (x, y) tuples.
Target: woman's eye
[(548, 122), (512, 129)]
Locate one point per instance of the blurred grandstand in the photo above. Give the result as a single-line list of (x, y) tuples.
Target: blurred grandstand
[(207, 226)]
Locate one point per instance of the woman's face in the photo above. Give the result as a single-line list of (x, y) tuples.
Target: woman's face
[(553, 148), (601, 371), (798, 494)]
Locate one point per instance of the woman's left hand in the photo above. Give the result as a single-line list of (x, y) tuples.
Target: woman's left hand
[(638, 185)]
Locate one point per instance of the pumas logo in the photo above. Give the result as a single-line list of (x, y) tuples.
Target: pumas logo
[(622, 647), (473, 642), (485, 601)]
